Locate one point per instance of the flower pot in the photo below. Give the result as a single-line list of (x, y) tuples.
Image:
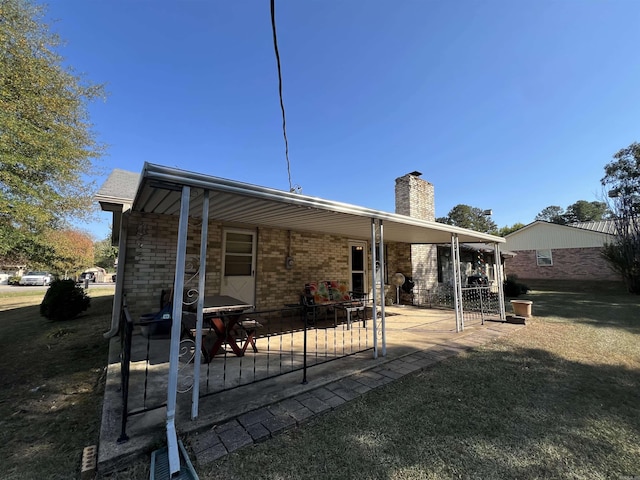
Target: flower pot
[(522, 308)]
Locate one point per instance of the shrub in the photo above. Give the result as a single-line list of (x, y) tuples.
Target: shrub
[(64, 300), (512, 288)]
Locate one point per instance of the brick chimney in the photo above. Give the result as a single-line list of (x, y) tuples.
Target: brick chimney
[(415, 197)]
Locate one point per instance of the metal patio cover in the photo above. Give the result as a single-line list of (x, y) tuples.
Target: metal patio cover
[(160, 188)]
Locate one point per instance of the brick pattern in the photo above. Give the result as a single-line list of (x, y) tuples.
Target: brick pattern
[(415, 198), (151, 254), (152, 243), (568, 264)]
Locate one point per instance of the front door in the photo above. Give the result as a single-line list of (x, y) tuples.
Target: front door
[(239, 265), (358, 265)]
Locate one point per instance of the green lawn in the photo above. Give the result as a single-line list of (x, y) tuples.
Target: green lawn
[(557, 399)]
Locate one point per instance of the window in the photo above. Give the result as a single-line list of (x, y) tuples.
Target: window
[(543, 257), (238, 258)]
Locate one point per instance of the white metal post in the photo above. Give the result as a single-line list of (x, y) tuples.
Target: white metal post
[(455, 282), (459, 276), (374, 284), (500, 280), (176, 328), (204, 233), (381, 260)]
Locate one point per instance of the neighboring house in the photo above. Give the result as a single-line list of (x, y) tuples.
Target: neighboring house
[(560, 252)]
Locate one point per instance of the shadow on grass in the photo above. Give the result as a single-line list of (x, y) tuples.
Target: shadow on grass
[(496, 413), (608, 307)]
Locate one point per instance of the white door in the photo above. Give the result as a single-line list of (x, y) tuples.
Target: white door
[(239, 265), (358, 266)]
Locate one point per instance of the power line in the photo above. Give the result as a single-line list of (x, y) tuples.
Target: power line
[(284, 119)]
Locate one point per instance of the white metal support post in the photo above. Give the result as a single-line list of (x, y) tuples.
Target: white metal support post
[(459, 276), (457, 287), (374, 288), (174, 352), (500, 280), (202, 270), (381, 260)]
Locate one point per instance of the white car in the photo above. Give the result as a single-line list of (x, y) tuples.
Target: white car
[(4, 278), (36, 278)]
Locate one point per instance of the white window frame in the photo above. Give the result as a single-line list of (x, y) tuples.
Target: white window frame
[(544, 258)]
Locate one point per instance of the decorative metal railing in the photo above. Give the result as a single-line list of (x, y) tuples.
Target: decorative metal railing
[(478, 302), (287, 340)]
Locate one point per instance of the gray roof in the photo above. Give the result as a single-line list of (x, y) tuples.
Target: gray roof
[(160, 187), (121, 185), (601, 226)]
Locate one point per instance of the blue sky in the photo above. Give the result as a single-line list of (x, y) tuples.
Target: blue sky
[(507, 105)]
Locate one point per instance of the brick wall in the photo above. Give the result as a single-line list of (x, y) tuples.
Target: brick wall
[(415, 198), (151, 255), (568, 264)]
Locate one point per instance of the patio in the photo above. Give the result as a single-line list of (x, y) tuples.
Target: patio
[(414, 336)]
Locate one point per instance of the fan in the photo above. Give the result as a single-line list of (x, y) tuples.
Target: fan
[(398, 280)]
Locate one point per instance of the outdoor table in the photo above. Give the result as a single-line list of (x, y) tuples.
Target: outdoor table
[(223, 313)]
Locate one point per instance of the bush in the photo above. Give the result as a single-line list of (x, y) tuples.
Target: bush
[(64, 300), (14, 280), (512, 288)]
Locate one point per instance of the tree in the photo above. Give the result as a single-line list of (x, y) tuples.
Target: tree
[(472, 218), (622, 185), (46, 141), (504, 231), (553, 214), (73, 251), (583, 211), (105, 254)]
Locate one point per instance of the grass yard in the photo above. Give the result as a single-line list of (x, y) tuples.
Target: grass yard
[(558, 399), (51, 384)]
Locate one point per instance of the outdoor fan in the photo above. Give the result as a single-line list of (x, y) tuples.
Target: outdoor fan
[(398, 280)]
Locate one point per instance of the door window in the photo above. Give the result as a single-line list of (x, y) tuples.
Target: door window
[(238, 255)]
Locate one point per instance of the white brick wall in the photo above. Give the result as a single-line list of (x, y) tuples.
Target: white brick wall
[(415, 198)]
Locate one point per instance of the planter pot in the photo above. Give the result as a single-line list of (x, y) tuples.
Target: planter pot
[(522, 308)]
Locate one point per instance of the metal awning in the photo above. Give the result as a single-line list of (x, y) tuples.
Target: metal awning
[(160, 187)]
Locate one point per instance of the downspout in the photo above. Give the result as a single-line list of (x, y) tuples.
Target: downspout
[(204, 233), (374, 313), (174, 353), (117, 296)]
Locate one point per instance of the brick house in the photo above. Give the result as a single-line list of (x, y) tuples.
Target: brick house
[(560, 252), (193, 232), (262, 244)]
